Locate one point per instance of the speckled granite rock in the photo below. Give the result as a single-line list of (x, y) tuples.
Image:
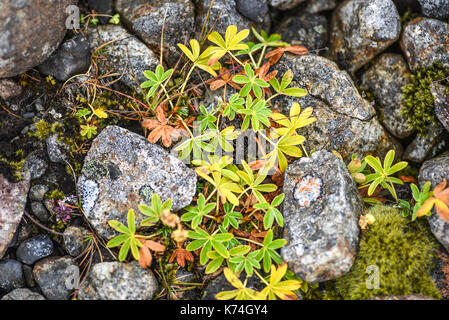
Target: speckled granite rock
[(425, 41), (22, 294), (441, 96), (423, 148), (345, 121), (11, 275), (123, 170), (255, 10), (127, 55), (385, 80), (145, 18), (438, 9), (362, 29), (74, 240), (34, 249), (306, 29), (284, 4), (322, 207), (224, 13), (435, 170), (29, 32), (13, 198), (56, 277), (118, 281)]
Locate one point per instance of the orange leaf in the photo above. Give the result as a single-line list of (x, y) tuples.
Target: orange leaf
[(153, 245), (442, 210), (145, 257), (426, 207)]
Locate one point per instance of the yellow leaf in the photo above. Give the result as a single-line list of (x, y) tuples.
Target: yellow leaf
[(100, 113), (426, 207)]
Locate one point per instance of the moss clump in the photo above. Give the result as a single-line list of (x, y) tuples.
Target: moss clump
[(403, 251), (55, 195), (43, 130), (419, 101)]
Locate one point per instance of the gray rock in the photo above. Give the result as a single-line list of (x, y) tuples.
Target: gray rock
[(123, 170), (56, 277), (426, 147), (305, 29), (37, 192), (284, 4), (317, 6), (118, 281), (435, 170), (146, 18), (12, 204), (441, 95), (424, 42), (322, 207), (71, 58), (438, 9), (125, 54), (224, 13), (40, 211), (255, 10), (28, 38), (74, 240), (9, 89), (34, 249), (362, 29), (36, 165), (385, 80), (345, 121), (11, 275), (56, 150), (22, 294)]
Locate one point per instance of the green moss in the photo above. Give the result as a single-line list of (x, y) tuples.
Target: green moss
[(403, 251), (14, 167), (55, 194), (43, 130), (419, 101)]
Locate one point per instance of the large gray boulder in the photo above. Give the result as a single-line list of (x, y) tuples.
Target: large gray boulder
[(362, 29), (118, 281), (322, 207), (123, 170), (438, 9), (29, 32)]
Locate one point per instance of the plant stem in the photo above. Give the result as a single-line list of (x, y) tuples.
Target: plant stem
[(261, 55)]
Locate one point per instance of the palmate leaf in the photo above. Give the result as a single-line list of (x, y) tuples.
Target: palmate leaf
[(281, 289), (257, 113), (207, 242), (296, 121), (155, 79), (241, 292), (254, 182), (232, 42), (154, 212), (281, 88), (250, 81), (199, 60), (196, 214), (271, 212), (225, 187), (287, 144), (267, 253)]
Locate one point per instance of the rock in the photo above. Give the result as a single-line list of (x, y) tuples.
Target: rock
[(74, 240), (126, 55), (56, 150), (22, 294), (28, 274), (102, 7), (28, 38), (146, 18), (345, 121), (56, 277), (322, 207), (36, 165), (34, 249), (424, 42), (438, 9), (224, 13), (435, 170), (123, 170), (305, 29), (12, 203), (362, 29), (37, 192), (385, 80), (220, 284), (255, 10), (441, 95), (422, 148), (9, 89), (317, 6), (71, 58), (284, 4), (118, 281), (40, 211), (11, 275)]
